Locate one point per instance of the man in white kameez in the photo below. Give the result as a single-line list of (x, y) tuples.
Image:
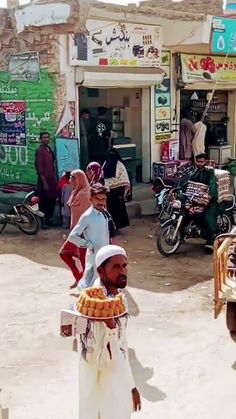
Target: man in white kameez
[(198, 143), (106, 385)]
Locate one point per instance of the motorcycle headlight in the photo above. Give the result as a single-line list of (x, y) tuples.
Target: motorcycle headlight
[(176, 204)]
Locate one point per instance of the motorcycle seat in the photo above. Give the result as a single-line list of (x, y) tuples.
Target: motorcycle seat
[(12, 198), (169, 182)]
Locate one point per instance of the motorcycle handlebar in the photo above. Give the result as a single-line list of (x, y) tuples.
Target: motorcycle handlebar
[(29, 196), (233, 204)]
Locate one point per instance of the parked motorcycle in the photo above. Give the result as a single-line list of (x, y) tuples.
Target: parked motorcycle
[(172, 233), (21, 210)]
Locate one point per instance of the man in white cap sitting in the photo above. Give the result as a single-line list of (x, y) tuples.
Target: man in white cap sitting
[(106, 385)]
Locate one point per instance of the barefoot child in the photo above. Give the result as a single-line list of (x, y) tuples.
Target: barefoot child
[(78, 203)]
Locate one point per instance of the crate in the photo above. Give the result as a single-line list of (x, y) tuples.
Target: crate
[(164, 169), (224, 270), (223, 184), (170, 151)]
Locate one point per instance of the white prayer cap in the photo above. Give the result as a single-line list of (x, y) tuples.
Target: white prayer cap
[(107, 252)]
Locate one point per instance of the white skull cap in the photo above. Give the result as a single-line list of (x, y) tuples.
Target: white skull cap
[(107, 252)]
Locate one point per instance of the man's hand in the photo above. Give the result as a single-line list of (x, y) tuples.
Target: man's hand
[(136, 400), (90, 246), (127, 189), (45, 186), (111, 324)]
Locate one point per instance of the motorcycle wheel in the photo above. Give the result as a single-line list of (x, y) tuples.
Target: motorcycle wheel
[(31, 226), (165, 238), (2, 227), (224, 224)]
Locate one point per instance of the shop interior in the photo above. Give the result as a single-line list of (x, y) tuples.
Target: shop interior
[(216, 119), (124, 113), (217, 141)]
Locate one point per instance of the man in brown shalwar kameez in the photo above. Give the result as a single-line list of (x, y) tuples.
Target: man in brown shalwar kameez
[(47, 180), (187, 133)]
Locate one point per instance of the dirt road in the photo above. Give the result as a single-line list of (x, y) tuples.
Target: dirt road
[(183, 360)]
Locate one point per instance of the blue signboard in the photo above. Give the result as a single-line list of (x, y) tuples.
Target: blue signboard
[(230, 7), (224, 36), (67, 155)]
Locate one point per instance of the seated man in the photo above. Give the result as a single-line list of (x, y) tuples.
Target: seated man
[(206, 176)]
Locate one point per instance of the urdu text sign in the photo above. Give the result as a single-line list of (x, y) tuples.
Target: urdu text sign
[(224, 36), (117, 44)]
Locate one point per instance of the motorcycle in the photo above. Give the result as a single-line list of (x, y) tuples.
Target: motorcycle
[(163, 190), (21, 210), (172, 234)]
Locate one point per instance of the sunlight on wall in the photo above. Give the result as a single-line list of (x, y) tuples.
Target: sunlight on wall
[(3, 3)]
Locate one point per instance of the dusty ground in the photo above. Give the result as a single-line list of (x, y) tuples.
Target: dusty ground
[(183, 360)]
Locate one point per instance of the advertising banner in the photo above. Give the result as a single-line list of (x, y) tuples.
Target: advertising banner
[(117, 44), (200, 68), (224, 36), (12, 123)]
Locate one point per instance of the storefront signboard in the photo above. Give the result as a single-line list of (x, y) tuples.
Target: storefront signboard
[(224, 36), (12, 123), (117, 44), (38, 101), (163, 101), (24, 67), (203, 68)]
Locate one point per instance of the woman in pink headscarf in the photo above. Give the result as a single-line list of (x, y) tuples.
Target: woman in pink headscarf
[(78, 202), (94, 173)]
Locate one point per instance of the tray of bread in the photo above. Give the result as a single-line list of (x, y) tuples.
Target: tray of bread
[(94, 304)]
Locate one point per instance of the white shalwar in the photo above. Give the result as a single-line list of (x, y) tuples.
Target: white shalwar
[(198, 143), (92, 232), (105, 376)]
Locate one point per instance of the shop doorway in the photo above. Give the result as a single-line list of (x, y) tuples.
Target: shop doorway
[(216, 121), (124, 115)]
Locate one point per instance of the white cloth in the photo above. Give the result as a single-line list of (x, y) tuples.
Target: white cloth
[(107, 252), (121, 178), (105, 382), (198, 143), (92, 232)]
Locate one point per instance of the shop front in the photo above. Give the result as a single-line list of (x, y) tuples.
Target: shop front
[(210, 82), (117, 68)]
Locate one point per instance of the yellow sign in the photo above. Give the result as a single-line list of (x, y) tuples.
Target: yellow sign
[(163, 113), (162, 137), (199, 68)]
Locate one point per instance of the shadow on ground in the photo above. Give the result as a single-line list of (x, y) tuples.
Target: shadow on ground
[(141, 377), (147, 268)]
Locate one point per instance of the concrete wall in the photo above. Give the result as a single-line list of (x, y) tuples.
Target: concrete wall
[(44, 100), (17, 165)]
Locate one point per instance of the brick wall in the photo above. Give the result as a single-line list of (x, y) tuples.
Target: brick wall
[(208, 7), (48, 47), (186, 10)]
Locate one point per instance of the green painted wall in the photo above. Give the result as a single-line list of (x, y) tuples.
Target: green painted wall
[(18, 163)]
